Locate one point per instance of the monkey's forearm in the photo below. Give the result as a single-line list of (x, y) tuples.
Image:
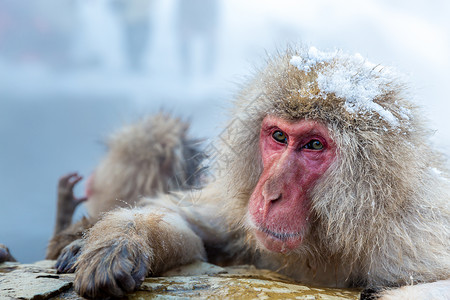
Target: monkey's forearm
[(161, 231), (67, 202), (202, 219), (67, 236), (126, 245), (65, 209)]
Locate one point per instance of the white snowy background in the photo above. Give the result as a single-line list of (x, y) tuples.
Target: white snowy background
[(53, 120)]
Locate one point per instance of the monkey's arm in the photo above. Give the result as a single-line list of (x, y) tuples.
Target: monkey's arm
[(60, 242), (67, 202), (126, 245), (65, 232), (199, 209)]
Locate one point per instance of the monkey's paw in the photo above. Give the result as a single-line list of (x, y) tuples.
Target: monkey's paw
[(111, 270), (68, 257), (66, 185)]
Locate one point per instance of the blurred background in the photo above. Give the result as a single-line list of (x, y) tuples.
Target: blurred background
[(73, 71)]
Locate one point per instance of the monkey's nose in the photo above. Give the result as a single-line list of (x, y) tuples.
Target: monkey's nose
[(271, 193), (277, 198), (272, 198)]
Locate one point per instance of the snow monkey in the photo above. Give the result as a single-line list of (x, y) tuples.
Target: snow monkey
[(325, 173), (154, 155)]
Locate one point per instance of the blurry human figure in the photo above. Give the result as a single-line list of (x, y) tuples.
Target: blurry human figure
[(135, 18), (37, 31), (197, 21)]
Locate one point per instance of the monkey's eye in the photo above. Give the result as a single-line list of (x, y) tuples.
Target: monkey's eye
[(314, 145), (280, 137)]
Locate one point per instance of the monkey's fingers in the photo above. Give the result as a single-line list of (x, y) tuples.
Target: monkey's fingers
[(66, 185), (74, 180), (63, 180), (129, 281), (68, 257), (110, 271)]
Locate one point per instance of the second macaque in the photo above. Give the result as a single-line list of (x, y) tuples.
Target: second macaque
[(152, 156)]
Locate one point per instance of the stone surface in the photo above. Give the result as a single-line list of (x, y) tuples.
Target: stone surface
[(31, 281), (199, 280)]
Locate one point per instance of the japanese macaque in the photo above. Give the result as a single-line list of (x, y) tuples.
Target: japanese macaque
[(152, 156), (325, 173)]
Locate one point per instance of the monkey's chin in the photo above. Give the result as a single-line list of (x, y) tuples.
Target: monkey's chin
[(281, 243)]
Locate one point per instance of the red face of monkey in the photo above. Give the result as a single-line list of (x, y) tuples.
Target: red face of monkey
[(294, 155)]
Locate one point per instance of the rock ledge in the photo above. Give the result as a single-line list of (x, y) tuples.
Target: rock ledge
[(198, 280)]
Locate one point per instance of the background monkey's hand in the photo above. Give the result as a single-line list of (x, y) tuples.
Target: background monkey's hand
[(67, 202), (69, 255), (65, 191), (126, 245)]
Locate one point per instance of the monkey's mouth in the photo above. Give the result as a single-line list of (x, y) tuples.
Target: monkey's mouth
[(277, 241), (281, 236)]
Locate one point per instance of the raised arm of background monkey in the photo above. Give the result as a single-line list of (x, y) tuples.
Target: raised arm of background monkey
[(324, 173)]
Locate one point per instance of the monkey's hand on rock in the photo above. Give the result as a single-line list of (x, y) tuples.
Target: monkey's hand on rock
[(68, 257), (126, 245), (67, 202), (112, 270)]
